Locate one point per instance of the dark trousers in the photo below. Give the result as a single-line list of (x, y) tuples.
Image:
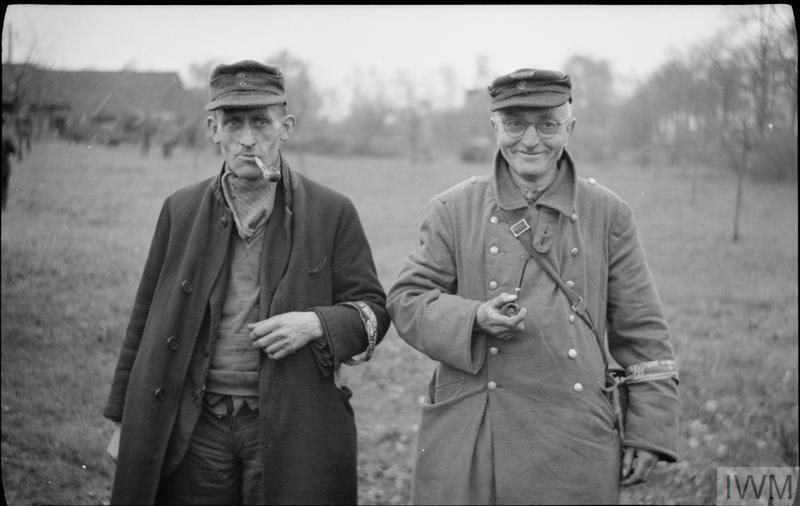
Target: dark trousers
[(222, 464)]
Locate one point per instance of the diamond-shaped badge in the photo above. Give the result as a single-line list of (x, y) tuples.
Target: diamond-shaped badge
[(522, 85)]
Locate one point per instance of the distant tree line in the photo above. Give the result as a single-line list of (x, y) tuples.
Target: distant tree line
[(729, 101)]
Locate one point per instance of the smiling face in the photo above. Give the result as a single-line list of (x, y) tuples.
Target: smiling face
[(243, 133), (531, 157)]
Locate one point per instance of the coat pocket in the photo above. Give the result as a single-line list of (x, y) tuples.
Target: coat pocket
[(446, 391)]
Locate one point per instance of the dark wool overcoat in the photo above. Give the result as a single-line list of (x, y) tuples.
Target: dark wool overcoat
[(316, 257), (525, 420)]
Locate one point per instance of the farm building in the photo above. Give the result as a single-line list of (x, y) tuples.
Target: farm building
[(109, 107)]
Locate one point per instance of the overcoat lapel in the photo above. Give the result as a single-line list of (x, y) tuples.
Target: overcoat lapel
[(275, 254)]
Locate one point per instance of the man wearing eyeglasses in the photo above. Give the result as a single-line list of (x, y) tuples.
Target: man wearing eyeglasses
[(530, 287)]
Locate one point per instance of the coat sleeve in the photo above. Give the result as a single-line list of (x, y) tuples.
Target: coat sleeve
[(638, 333), (141, 307), (426, 312), (354, 279)]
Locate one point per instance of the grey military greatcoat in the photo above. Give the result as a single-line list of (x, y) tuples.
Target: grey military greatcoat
[(525, 420)]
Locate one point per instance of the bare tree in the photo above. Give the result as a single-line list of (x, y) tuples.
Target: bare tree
[(199, 73), (26, 91), (593, 89), (738, 129), (303, 99)]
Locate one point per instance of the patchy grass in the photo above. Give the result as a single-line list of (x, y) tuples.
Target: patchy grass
[(75, 237)]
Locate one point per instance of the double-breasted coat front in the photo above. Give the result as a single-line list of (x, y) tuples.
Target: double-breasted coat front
[(315, 257), (525, 420)]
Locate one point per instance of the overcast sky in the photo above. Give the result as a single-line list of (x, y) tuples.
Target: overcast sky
[(336, 40)]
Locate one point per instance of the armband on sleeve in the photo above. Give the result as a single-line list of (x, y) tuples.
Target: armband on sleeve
[(649, 371), (370, 327)]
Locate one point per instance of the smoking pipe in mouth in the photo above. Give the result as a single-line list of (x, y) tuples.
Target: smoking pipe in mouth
[(270, 173)]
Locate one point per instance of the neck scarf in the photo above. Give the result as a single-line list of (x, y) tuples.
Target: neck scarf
[(251, 201)]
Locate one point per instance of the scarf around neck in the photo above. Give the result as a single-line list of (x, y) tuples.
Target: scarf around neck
[(251, 201)]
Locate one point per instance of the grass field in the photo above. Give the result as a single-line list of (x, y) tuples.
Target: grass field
[(79, 221)]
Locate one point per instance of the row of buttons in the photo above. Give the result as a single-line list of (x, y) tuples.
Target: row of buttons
[(494, 220), (493, 284), (571, 353), (493, 386), (495, 250)]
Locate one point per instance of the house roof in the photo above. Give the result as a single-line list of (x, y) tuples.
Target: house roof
[(92, 93)]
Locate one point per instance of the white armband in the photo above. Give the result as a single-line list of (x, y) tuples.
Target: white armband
[(370, 326)]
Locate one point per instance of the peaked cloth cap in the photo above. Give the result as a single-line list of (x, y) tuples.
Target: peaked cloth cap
[(530, 88), (247, 83)]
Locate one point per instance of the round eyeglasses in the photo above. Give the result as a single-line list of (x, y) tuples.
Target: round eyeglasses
[(545, 127)]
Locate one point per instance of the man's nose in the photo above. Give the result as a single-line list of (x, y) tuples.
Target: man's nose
[(530, 136), (247, 136)]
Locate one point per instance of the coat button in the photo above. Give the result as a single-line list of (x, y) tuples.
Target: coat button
[(591, 180), (473, 179), (494, 250), (493, 351), (491, 385), (205, 351), (223, 221), (578, 387), (574, 217), (570, 283), (493, 220), (571, 318), (160, 394), (186, 286), (172, 343), (492, 285), (573, 252), (572, 353)]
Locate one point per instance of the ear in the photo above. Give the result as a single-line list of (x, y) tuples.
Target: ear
[(213, 127), (570, 128), (494, 123), (287, 127), (496, 128)]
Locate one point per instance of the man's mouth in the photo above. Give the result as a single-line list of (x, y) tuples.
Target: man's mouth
[(249, 158)]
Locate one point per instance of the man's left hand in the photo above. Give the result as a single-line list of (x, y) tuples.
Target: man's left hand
[(637, 464), (285, 333)]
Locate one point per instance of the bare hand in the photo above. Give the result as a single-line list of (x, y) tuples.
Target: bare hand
[(285, 333), (491, 320), (637, 464), (113, 445)]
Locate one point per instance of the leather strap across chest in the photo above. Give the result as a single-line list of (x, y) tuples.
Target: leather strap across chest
[(521, 230)]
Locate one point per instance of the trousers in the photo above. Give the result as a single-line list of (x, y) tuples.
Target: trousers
[(222, 464)]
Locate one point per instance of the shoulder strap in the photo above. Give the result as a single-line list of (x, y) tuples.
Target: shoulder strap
[(522, 231)]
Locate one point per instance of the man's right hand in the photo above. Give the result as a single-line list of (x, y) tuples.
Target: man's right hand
[(113, 445), (491, 320)]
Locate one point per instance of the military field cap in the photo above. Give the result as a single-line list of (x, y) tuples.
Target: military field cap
[(530, 88), (247, 83)]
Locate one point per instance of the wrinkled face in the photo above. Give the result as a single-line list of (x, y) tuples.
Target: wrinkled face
[(248, 132), (531, 156)]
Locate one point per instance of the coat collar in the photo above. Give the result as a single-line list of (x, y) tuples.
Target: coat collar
[(560, 195)]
